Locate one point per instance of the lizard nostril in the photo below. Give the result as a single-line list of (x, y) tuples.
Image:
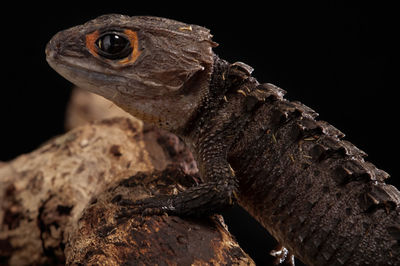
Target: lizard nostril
[(55, 46), (50, 51)]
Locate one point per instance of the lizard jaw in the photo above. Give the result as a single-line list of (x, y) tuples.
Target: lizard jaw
[(82, 75), (140, 107)]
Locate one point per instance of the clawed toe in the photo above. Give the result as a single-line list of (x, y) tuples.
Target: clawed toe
[(283, 256)]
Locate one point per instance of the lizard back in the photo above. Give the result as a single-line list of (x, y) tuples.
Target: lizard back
[(312, 190)]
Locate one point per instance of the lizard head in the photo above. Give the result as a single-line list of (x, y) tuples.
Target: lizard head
[(154, 68)]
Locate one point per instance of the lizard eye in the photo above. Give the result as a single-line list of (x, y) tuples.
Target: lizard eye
[(122, 47), (113, 46)]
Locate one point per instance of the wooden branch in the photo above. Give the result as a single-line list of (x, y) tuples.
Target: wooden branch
[(85, 107), (64, 202), (108, 233)]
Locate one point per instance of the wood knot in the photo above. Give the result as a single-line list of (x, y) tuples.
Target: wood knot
[(116, 150)]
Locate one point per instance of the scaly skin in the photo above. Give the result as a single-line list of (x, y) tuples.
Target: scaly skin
[(309, 188)]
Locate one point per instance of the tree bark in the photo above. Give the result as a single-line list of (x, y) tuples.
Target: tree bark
[(108, 233), (64, 202)]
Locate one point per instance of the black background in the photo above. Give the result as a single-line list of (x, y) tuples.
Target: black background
[(339, 59)]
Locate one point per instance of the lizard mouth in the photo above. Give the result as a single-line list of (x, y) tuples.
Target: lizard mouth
[(84, 74)]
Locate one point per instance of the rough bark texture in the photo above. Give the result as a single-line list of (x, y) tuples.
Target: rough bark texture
[(44, 193), (85, 107), (107, 232)]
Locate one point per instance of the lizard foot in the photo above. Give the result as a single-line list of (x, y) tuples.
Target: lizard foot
[(206, 198), (282, 256), (149, 206)]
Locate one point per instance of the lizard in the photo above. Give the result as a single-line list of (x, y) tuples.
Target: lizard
[(296, 175)]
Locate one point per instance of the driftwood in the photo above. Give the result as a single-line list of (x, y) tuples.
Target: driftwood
[(86, 107), (108, 234), (65, 202)]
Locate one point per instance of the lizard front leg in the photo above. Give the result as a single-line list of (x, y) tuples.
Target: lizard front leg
[(219, 186), (217, 191)]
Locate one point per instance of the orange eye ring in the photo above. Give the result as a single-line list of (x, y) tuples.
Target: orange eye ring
[(92, 39)]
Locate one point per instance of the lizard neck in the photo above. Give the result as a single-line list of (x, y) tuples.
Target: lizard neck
[(217, 89), (222, 114)]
